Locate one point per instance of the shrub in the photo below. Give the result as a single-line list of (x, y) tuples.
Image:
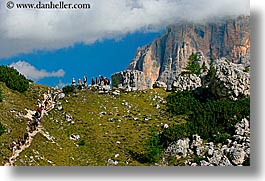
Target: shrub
[(197, 159), (210, 75), (68, 89), (247, 69), (221, 138), (204, 117), (81, 143), (153, 147), (13, 79), (115, 81), (246, 162), (182, 102), (193, 65), (204, 67)]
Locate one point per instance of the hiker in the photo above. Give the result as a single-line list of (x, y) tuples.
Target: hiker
[(73, 82), (108, 81), (36, 123), (96, 80), (13, 147), (85, 80), (105, 80), (101, 80), (79, 82), (46, 103), (38, 113), (19, 141), (26, 138), (93, 81)]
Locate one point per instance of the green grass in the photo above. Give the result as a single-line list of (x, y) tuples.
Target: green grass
[(100, 120), (14, 103)]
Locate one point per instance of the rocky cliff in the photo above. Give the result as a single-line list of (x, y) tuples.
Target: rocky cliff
[(230, 80), (168, 54)]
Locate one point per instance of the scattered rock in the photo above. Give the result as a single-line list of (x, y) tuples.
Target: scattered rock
[(74, 137), (116, 92), (116, 155), (68, 118), (60, 107), (165, 126), (234, 153), (160, 84), (61, 95), (9, 130)]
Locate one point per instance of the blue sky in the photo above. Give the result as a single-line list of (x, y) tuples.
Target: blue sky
[(101, 58)]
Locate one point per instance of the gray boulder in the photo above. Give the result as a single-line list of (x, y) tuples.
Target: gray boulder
[(186, 82), (178, 148), (230, 80), (129, 80), (237, 155)]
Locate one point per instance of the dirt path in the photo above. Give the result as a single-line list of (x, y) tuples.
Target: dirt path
[(40, 130)]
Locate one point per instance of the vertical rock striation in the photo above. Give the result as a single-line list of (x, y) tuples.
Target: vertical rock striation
[(168, 54)]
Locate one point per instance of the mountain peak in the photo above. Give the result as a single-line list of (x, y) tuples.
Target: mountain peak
[(168, 54)]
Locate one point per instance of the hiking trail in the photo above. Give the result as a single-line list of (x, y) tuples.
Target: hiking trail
[(40, 129)]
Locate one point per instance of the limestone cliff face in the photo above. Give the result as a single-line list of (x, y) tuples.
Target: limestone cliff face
[(168, 54)]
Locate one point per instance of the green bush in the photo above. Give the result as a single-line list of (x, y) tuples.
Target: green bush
[(247, 69), (193, 65), (81, 143), (2, 129), (211, 73), (182, 102), (197, 159), (221, 138), (13, 79), (153, 147), (115, 81), (246, 162), (68, 89), (206, 118)]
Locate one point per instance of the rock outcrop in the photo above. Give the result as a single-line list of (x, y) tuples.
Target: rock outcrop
[(168, 54), (230, 80), (233, 153), (186, 82), (129, 80), (159, 84)]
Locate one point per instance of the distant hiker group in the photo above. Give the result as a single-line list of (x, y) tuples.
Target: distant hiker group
[(100, 81), (46, 104)]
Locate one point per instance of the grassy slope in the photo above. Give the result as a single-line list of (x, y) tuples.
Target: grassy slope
[(99, 132), (15, 101), (100, 120)]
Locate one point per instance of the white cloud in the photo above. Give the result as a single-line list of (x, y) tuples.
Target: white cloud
[(32, 73), (23, 31)]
